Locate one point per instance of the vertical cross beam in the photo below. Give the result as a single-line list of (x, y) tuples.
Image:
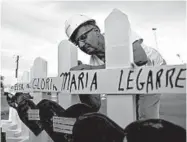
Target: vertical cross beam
[(24, 129), (120, 108), (39, 70), (67, 58)]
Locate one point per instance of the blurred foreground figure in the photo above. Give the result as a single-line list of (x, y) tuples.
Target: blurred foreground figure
[(94, 127)]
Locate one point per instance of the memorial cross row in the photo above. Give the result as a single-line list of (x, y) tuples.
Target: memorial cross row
[(147, 80)]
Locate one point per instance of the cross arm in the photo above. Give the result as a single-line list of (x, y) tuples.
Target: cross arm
[(144, 80)]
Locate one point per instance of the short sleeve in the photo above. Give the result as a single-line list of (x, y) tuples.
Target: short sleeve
[(154, 56)]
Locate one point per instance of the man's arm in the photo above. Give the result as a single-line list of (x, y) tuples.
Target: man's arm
[(154, 56), (157, 58), (98, 67), (87, 67)]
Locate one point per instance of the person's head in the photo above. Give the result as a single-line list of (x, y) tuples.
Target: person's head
[(84, 33)]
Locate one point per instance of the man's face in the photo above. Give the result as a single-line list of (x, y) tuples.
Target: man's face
[(90, 40)]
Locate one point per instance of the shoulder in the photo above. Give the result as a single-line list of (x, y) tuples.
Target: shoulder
[(149, 50), (154, 56)]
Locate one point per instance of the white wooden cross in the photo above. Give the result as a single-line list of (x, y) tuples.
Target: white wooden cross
[(118, 80)]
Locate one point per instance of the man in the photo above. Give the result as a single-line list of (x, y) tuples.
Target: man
[(83, 32)]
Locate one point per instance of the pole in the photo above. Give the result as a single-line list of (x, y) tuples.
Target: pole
[(17, 66), (155, 36)]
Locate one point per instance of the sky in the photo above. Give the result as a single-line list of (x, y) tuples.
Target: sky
[(35, 29)]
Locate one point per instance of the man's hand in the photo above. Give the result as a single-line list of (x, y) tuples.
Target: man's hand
[(133, 65), (87, 67), (81, 67)]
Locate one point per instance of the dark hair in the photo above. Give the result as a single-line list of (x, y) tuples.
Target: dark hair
[(72, 38)]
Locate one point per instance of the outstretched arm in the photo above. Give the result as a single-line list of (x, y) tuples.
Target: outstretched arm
[(155, 57), (87, 67)]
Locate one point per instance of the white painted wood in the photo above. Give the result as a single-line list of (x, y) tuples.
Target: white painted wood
[(119, 55), (20, 131), (67, 58), (39, 69), (172, 80), (118, 40), (24, 129), (25, 77)]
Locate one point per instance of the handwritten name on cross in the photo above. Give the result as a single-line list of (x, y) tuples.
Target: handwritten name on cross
[(146, 80)]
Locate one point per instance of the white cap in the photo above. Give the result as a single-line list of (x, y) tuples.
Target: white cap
[(73, 23)]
